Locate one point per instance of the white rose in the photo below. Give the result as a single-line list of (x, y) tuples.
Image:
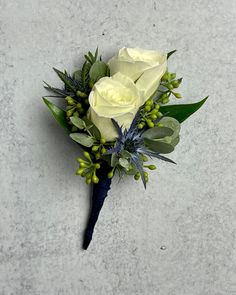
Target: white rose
[(144, 67), (114, 97)]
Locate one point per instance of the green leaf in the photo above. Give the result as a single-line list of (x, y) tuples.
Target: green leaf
[(61, 93), (66, 79), (82, 139), (79, 123), (158, 146), (170, 53), (77, 75), (92, 129), (114, 160), (181, 111), (85, 76), (175, 126), (98, 70), (59, 114), (157, 132), (124, 163)]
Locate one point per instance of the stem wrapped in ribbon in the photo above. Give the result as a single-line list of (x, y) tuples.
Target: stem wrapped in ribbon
[(100, 191)]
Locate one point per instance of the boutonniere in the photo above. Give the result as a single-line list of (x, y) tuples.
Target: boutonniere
[(122, 115)]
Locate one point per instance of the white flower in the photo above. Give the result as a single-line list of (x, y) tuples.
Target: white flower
[(114, 97), (144, 67)]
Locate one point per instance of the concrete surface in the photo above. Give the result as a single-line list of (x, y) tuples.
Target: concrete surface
[(176, 238)]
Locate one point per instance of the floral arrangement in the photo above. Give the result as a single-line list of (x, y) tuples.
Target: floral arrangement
[(118, 113)]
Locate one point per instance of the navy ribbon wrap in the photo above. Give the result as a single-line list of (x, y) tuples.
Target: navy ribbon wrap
[(100, 191)]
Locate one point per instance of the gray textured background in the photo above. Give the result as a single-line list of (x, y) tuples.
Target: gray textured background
[(188, 209)]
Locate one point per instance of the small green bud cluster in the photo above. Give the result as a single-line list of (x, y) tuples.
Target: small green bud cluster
[(99, 149), (88, 169), (137, 176), (149, 114), (150, 167), (170, 82), (77, 106)]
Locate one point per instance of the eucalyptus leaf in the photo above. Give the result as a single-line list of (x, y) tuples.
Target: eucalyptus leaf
[(175, 126), (175, 141), (82, 139), (158, 146), (79, 123), (124, 163), (157, 132), (125, 154), (98, 70), (181, 111), (59, 114), (92, 129)]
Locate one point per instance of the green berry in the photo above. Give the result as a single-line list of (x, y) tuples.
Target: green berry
[(103, 150), (172, 76), (152, 167), (166, 100), (80, 171), (81, 94), (153, 117), (79, 106), (68, 98), (87, 156), (97, 166), (150, 123), (175, 83), (165, 77), (83, 165), (88, 181), (147, 108), (95, 148), (110, 174), (141, 125), (103, 140), (177, 95), (69, 113), (149, 102), (95, 179), (70, 102), (137, 176), (97, 156), (145, 158), (157, 106)]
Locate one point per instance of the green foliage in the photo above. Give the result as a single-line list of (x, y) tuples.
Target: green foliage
[(98, 70), (158, 146), (88, 168), (58, 114), (82, 139), (154, 130), (167, 86), (92, 58), (92, 129), (77, 122), (162, 140), (181, 111), (157, 133), (170, 53), (68, 81)]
